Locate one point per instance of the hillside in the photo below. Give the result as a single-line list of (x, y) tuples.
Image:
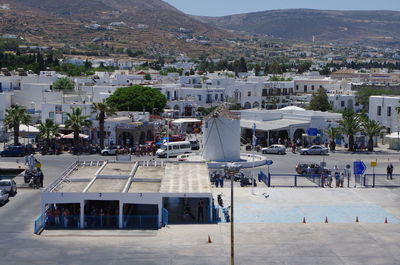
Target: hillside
[(150, 25), (325, 25)]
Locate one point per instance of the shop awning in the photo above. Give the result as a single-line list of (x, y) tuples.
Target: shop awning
[(183, 120), (271, 125)]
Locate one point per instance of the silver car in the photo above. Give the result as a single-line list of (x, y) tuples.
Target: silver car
[(9, 186), (314, 150), (3, 197), (274, 149)]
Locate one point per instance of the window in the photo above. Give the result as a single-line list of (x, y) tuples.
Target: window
[(216, 96), (51, 115), (389, 111), (379, 110), (249, 93), (320, 86), (64, 117), (297, 87), (168, 95), (222, 97), (342, 103), (312, 87), (199, 97), (176, 146), (305, 88), (265, 92)]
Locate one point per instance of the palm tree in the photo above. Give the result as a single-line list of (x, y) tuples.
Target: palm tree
[(103, 111), (350, 125), (48, 130), (15, 116), (371, 128), (76, 121), (333, 134)]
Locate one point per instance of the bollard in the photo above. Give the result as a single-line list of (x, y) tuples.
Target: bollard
[(304, 220), (356, 219), (326, 219), (386, 221), (209, 239)]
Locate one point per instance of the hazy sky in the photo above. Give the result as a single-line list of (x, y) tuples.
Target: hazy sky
[(228, 7)]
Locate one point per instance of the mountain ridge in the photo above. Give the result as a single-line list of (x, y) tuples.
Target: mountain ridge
[(325, 25)]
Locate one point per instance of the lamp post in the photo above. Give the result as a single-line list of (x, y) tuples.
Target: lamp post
[(231, 169), (398, 139), (108, 134), (168, 116)]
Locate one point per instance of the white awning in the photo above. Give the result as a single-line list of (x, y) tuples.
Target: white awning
[(28, 128), (185, 120), (271, 125)]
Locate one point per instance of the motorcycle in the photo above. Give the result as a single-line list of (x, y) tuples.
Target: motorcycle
[(35, 182)]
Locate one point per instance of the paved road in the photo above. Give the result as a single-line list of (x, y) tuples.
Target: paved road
[(257, 243)]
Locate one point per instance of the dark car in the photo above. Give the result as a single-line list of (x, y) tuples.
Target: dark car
[(311, 168), (194, 144), (14, 151)]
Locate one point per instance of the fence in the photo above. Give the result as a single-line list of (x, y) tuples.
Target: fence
[(379, 180), (293, 180)]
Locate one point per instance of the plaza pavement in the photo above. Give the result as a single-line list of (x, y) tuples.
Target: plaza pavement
[(274, 235)]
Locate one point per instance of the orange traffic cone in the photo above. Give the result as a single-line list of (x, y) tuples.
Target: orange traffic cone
[(209, 239), (386, 221), (326, 219), (356, 219), (304, 220)]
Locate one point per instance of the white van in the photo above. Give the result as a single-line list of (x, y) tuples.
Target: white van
[(175, 149)]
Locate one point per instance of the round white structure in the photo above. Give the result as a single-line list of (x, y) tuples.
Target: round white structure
[(221, 138)]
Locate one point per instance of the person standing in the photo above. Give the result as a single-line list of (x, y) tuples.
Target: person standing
[(200, 211), (390, 171)]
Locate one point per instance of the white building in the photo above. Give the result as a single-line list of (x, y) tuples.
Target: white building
[(287, 123), (383, 110)]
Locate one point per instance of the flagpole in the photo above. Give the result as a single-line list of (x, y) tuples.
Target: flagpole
[(254, 148)]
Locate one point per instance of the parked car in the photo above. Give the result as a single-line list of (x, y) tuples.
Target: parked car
[(3, 197), (194, 144), (274, 149), (312, 168), (14, 151), (9, 186), (111, 150), (314, 150)]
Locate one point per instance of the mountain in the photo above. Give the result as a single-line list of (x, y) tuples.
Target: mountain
[(324, 25), (152, 25)]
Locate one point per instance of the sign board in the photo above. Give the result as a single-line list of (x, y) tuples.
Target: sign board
[(312, 131), (269, 162), (374, 164), (359, 167)]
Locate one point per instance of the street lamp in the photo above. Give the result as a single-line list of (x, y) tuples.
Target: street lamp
[(398, 139), (168, 120), (232, 169)]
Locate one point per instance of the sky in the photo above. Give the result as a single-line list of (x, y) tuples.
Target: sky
[(229, 7)]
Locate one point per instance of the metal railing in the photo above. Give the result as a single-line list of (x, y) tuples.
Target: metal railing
[(380, 180), (141, 221), (40, 223)]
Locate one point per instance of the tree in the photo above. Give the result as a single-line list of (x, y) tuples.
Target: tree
[(257, 69), (76, 121), (371, 128), (205, 111), (48, 130), (147, 76), (137, 98), (350, 125), (63, 84), (275, 69), (398, 109), (15, 116), (333, 134), (303, 67), (319, 101), (103, 111), (363, 94)]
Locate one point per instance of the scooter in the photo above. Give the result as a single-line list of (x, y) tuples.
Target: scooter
[(35, 182)]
